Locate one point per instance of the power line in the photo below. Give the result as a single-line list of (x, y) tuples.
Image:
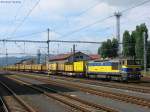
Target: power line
[(140, 4), (23, 41), (13, 21), (89, 8), (27, 35), (30, 34), (56, 41), (19, 47), (15, 17), (84, 27), (89, 25), (28, 14), (77, 30)]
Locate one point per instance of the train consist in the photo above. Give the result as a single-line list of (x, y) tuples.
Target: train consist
[(123, 70)]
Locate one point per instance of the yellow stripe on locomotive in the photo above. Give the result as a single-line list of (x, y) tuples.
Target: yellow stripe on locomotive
[(102, 67)]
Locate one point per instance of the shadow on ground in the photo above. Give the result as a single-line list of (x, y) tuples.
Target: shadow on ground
[(21, 89)]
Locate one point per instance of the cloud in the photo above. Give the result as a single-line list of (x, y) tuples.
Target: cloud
[(65, 16)]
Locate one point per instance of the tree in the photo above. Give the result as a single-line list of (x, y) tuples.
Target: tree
[(132, 45), (109, 48), (126, 44), (103, 50), (139, 40), (115, 46), (148, 54)]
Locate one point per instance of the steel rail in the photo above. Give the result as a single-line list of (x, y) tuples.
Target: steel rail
[(24, 104), (3, 106), (107, 84), (92, 105), (135, 88), (122, 97)]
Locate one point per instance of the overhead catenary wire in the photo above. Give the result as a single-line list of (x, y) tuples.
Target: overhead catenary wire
[(20, 47), (24, 19), (18, 10), (13, 21), (85, 27), (31, 34), (77, 30), (26, 35), (89, 25), (89, 8), (139, 4)]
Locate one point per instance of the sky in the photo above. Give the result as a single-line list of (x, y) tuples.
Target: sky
[(65, 18)]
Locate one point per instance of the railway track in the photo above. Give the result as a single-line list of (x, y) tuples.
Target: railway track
[(3, 107), (74, 102), (19, 104), (116, 96), (107, 84), (135, 88)]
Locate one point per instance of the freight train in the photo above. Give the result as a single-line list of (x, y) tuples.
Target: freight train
[(123, 70)]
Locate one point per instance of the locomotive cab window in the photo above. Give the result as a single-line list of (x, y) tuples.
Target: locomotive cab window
[(133, 62)]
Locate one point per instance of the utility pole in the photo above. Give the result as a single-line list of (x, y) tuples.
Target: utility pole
[(38, 56), (145, 53), (48, 50), (48, 42), (118, 15), (6, 58), (74, 50)]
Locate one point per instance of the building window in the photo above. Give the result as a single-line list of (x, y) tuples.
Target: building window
[(81, 57)]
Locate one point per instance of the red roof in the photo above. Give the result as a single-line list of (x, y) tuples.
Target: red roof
[(60, 57), (94, 56), (65, 56)]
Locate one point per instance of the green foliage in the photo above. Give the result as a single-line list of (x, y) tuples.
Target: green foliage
[(126, 44), (133, 44), (148, 54), (115, 46), (109, 48), (139, 40), (129, 44)]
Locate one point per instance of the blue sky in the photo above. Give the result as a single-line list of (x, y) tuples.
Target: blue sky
[(65, 16)]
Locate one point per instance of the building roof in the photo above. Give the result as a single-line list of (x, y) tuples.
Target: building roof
[(94, 56), (60, 57), (66, 56)]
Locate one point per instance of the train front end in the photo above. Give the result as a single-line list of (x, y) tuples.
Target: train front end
[(131, 69)]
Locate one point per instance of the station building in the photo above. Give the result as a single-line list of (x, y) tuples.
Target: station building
[(70, 57)]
